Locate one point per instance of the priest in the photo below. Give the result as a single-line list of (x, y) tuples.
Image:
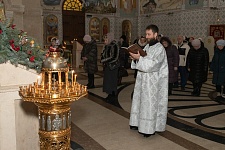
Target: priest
[(150, 100)]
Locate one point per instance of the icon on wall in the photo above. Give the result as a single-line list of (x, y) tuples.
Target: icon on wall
[(105, 27), (126, 30), (51, 27), (217, 31), (94, 28)]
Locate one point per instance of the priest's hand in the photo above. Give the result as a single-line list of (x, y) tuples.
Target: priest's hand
[(135, 56)]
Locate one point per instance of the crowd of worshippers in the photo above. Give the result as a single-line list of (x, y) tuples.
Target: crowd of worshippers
[(188, 60)]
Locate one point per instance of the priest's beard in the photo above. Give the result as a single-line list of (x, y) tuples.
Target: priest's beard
[(152, 41)]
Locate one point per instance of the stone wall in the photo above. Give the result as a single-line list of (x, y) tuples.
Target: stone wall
[(30, 16)]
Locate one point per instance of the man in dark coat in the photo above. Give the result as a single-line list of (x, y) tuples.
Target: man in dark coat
[(197, 63), (89, 56)]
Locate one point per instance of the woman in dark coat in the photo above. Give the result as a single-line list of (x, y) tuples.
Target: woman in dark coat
[(218, 67), (173, 61), (197, 63), (89, 56), (110, 60)]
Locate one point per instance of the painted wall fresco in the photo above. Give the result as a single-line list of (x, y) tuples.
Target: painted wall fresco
[(128, 8), (51, 2), (150, 6), (194, 4), (100, 6)]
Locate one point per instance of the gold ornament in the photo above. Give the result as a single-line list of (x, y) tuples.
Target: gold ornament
[(53, 93)]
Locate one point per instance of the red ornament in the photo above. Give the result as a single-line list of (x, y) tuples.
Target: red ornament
[(17, 49), (29, 52), (0, 31), (54, 49), (11, 41), (32, 59), (13, 26)]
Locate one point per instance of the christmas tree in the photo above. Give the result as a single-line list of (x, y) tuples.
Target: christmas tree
[(17, 47)]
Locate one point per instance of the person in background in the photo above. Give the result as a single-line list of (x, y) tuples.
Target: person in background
[(89, 56), (159, 37), (183, 50), (197, 64), (136, 40), (218, 68), (189, 41), (110, 60), (173, 61), (150, 100), (123, 58)]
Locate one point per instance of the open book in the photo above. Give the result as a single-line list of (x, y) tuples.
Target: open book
[(134, 48)]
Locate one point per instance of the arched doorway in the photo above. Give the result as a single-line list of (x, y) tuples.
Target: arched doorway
[(73, 20)]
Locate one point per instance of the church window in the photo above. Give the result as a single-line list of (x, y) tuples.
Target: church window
[(74, 5)]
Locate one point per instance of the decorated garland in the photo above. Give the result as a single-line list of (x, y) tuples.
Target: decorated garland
[(18, 48)]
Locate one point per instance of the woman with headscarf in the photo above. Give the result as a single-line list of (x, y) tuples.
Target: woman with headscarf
[(90, 57), (110, 60), (218, 68), (173, 61), (197, 64)]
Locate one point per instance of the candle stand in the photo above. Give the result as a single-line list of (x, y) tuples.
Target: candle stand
[(53, 93)]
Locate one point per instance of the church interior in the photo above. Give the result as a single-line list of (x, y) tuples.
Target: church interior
[(193, 122)]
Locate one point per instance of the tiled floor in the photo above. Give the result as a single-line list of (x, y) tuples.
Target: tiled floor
[(196, 123)]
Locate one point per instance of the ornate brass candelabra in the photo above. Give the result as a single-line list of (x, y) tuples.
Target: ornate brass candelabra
[(53, 94)]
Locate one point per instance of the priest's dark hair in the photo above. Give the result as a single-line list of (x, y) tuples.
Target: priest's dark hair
[(153, 27)]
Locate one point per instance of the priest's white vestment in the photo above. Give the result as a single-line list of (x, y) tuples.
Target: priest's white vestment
[(150, 99)]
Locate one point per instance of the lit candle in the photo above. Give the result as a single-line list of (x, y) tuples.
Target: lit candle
[(75, 76), (72, 77), (66, 80), (49, 81)]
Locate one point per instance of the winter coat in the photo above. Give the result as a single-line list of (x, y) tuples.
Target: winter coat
[(173, 61), (218, 67), (183, 50), (90, 51), (198, 62), (110, 55)]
